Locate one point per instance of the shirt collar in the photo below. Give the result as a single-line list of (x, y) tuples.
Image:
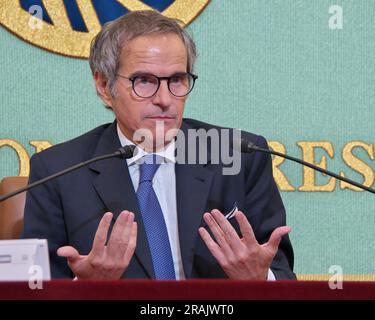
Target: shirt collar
[(166, 153)]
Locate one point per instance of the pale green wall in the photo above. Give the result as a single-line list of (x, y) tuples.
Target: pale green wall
[(271, 67)]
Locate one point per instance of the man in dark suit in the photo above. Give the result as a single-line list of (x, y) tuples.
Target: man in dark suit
[(186, 220)]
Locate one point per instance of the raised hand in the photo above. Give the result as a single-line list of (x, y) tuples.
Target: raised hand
[(105, 261), (240, 258)]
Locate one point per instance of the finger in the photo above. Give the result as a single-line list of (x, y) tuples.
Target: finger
[(212, 246), (116, 246), (245, 227), (218, 233), (126, 232), (101, 234), (126, 235), (132, 243), (230, 233), (277, 234), (68, 252)]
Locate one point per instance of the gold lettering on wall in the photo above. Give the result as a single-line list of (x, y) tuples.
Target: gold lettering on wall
[(23, 157), (40, 145), (280, 178), (309, 175), (308, 154), (357, 164)]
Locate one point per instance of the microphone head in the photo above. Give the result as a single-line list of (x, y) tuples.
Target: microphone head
[(127, 152), (242, 145)]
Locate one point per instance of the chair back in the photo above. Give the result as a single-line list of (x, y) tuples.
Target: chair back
[(11, 210)]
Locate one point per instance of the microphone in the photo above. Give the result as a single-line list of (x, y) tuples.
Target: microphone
[(248, 147), (125, 152)]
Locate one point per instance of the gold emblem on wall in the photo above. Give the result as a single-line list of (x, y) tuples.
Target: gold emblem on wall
[(67, 27)]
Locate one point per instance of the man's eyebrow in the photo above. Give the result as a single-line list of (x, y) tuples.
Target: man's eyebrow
[(143, 73), (140, 72)]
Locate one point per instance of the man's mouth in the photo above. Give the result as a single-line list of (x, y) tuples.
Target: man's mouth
[(161, 117)]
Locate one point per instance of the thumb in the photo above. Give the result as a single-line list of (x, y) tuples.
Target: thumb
[(68, 252), (276, 236)]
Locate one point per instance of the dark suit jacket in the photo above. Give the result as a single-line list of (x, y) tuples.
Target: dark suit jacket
[(67, 210)]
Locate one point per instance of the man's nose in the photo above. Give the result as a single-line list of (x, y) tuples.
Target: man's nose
[(162, 97)]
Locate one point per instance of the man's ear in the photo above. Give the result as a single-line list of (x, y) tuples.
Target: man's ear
[(101, 84)]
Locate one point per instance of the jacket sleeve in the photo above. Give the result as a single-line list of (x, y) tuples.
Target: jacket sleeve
[(266, 211), (43, 216)]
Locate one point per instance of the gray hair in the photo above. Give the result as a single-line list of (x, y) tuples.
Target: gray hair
[(106, 47)]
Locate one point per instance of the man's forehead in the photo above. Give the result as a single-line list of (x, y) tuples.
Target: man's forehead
[(168, 50)]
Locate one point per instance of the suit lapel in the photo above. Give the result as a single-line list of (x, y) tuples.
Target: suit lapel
[(114, 186), (193, 182)]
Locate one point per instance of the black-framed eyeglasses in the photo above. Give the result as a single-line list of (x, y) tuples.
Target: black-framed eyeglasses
[(146, 85)]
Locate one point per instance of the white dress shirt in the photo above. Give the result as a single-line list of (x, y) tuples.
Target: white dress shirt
[(164, 184)]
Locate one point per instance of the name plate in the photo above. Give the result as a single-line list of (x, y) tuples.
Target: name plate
[(24, 259)]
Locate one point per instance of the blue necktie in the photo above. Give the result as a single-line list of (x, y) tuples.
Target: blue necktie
[(153, 220)]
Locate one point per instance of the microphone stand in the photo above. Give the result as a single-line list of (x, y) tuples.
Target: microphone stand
[(123, 152), (248, 147)]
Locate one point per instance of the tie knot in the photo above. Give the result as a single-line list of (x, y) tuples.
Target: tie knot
[(148, 168)]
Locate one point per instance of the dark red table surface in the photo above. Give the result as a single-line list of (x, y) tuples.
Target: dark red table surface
[(186, 290)]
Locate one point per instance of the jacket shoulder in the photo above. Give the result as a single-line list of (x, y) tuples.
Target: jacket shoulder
[(72, 151)]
